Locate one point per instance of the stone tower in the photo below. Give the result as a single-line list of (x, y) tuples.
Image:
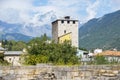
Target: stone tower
[(65, 29)]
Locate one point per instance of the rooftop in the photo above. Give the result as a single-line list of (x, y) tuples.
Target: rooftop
[(2, 49), (66, 18), (12, 53), (109, 53)]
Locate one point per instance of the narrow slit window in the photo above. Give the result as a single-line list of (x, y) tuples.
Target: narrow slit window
[(68, 22), (73, 22), (64, 31), (62, 21)]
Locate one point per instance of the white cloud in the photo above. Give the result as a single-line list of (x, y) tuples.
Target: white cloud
[(115, 4), (12, 10), (91, 10), (41, 20), (24, 11)]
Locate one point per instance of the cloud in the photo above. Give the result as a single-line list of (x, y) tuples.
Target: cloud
[(115, 4), (28, 11), (91, 10), (12, 10), (41, 20), (36, 15), (22, 11), (66, 7)]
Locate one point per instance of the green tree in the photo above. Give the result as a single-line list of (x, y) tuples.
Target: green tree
[(18, 46), (51, 52), (83, 49), (100, 59), (2, 61), (14, 45)]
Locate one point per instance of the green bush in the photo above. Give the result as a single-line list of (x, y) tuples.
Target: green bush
[(99, 59)]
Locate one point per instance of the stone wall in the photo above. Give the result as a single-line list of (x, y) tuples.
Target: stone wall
[(48, 72)]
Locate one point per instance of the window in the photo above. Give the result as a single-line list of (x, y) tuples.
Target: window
[(73, 22), (64, 31), (68, 22), (9, 59), (62, 21)]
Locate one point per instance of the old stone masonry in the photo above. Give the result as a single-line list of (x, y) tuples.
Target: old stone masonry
[(48, 72)]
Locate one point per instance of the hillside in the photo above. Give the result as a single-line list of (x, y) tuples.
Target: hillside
[(15, 36), (101, 32)]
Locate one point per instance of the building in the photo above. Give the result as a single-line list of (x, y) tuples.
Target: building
[(65, 29), (98, 51), (110, 55), (2, 50), (13, 57), (84, 56)]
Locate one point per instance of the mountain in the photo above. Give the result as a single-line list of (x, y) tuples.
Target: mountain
[(39, 24), (101, 32), (7, 27), (15, 36), (12, 32)]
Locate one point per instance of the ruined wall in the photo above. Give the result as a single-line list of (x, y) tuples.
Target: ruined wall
[(47, 72)]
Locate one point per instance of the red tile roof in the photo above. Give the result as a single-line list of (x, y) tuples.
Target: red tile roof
[(109, 53)]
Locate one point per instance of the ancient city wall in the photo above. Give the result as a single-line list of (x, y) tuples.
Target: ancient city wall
[(48, 72)]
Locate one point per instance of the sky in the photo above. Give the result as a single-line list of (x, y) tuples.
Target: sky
[(27, 11)]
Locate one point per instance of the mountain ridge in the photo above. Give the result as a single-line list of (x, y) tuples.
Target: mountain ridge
[(101, 32), (15, 36)]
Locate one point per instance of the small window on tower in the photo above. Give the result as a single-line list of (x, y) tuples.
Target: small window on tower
[(62, 21), (73, 22), (64, 31), (68, 22)]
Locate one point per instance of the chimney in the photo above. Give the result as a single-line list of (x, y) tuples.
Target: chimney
[(67, 17)]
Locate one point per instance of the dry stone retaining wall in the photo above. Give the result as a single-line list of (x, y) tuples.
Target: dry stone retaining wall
[(48, 72)]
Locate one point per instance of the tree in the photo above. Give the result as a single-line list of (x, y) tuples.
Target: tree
[(2, 61), (44, 37), (14, 45), (18, 46), (83, 49), (51, 52), (100, 59)]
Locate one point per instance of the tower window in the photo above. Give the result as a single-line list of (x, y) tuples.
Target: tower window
[(73, 22), (64, 31), (62, 21), (68, 22)]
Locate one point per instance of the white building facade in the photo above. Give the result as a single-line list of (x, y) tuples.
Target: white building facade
[(98, 51), (13, 57)]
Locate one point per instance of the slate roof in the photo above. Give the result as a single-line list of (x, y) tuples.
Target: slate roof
[(13, 53)]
